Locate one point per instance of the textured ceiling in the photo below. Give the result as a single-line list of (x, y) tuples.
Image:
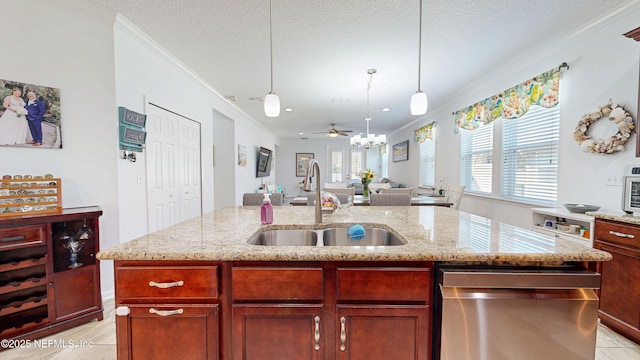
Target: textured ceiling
[(322, 50)]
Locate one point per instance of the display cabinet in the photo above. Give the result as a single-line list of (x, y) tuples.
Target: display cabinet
[(46, 285), (30, 195), (585, 222)]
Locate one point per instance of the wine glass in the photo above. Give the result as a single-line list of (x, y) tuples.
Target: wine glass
[(74, 248), (84, 233)]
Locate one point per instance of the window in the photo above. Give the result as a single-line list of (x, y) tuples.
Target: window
[(530, 156), (476, 159), (357, 162), (528, 149), (428, 162), (336, 156)]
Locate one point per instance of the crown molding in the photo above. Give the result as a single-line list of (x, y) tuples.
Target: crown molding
[(136, 33)]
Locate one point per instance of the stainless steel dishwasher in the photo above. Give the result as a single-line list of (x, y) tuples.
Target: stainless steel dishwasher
[(489, 314)]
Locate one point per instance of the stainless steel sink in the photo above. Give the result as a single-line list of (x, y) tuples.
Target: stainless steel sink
[(374, 237), (285, 238)]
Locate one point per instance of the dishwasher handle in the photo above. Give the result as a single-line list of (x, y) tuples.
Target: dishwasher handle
[(520, 279)]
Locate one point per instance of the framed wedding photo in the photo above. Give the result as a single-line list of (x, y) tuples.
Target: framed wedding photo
[(302, 163), (30, 115), (400, 151)]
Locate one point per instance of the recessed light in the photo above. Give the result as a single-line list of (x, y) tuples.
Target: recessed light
[(385, 109), (301, 133), (288, 109)]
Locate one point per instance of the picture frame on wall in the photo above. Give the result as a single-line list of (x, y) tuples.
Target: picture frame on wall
[(242, 155), (30, 115), (400, 151), (302, 163)]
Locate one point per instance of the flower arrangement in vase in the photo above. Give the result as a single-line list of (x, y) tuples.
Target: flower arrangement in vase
[(441, 189), (365, 177)]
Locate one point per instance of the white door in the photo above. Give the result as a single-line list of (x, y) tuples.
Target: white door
[(189, 169), (173, 168)]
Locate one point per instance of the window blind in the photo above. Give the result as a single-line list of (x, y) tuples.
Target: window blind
[(476, 159), (427, 162), (530, 156)]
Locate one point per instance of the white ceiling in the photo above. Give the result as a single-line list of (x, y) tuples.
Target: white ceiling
[(322, 50)]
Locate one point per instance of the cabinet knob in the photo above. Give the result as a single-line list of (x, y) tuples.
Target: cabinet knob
[(123, 311)]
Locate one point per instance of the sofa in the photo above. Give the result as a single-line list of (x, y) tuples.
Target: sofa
[(360, 188)]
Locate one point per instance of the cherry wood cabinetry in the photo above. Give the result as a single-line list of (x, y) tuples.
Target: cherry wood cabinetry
[(331, 311), (167, 310), (39, 292), (620, 287)]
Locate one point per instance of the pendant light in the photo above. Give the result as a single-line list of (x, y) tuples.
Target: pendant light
[(371, 140), (271, 101), (419, 101)]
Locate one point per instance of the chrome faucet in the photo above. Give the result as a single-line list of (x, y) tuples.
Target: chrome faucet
[(314, 166)]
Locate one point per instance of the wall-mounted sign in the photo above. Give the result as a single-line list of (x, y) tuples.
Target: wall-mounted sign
[(132, 133), (132, 136), (131, 117)]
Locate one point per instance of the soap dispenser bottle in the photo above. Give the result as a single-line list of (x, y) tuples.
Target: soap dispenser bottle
[(266, 211)]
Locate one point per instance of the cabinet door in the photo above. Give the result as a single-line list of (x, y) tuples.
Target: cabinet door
[(274, 331), (383, 332), (620, 285), (75, 292), (168, 332)]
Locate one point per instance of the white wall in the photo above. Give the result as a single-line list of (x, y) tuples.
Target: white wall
[(604, 65), (75, 54), (144, 70), (97, 67)]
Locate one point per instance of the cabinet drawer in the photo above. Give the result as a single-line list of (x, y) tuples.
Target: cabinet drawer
[(22, 236), (167, 282), (250, 283), (617, 233), (383, 284)]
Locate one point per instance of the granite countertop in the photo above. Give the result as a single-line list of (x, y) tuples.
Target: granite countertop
[(616, 216), (432, 234)]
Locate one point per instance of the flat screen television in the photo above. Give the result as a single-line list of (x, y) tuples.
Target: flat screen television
[(264, 162)]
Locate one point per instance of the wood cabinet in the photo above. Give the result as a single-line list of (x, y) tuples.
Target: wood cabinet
[(331, 311), (169, 311), (39, 292), (620, 284)]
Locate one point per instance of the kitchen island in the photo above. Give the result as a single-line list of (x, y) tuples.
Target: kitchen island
[(199, 289)]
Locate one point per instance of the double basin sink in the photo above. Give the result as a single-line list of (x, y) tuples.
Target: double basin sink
[(325, 237)]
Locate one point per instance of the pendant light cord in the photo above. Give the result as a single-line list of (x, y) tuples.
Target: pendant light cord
[(368, 118), (420, 47), (271, 44)]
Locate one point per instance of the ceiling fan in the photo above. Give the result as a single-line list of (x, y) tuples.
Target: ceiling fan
[(333, 132)]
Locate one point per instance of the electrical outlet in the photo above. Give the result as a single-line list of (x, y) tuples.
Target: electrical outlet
[(613, 180), (139, 178)]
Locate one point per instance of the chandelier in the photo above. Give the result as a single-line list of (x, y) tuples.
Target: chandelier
[(371, 140)]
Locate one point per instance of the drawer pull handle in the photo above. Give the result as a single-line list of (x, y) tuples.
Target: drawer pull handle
[(622, 235), (316, 333), (13, 238), (343, 334), (166, 312), (166, 285)]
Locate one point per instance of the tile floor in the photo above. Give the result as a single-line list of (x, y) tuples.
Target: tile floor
[(102, 336)]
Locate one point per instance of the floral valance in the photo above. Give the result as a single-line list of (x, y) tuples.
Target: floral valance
[(421, 135), (512, 103)]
